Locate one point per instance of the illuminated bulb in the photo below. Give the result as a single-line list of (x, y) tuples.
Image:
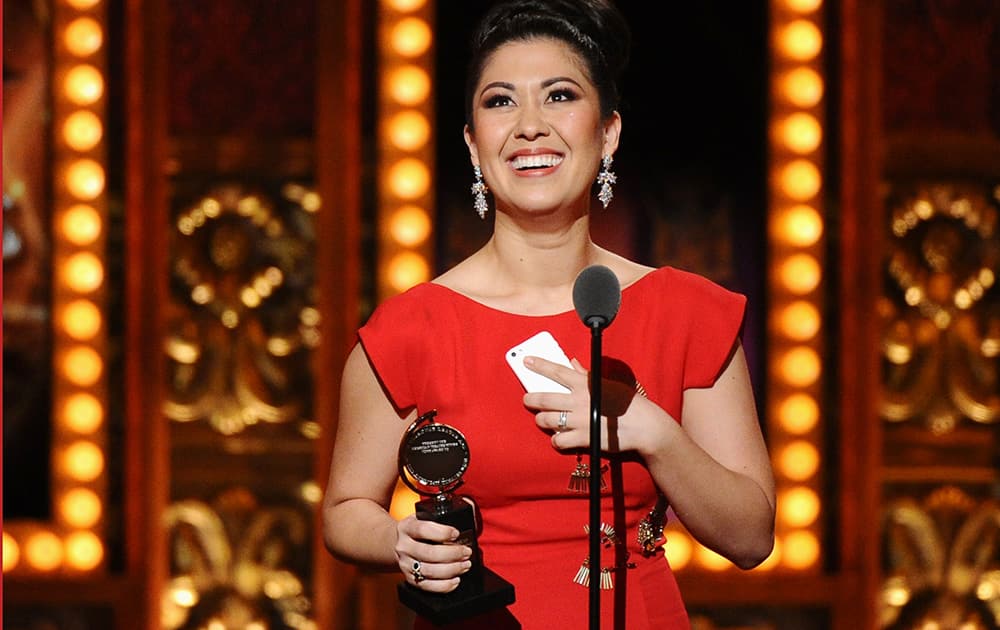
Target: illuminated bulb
[(404, 6), (311, 492), (409, 130), (82, 413), (84, 85), (43, 551), (83, 4), (82, 366), (84, 551), (409, 85), (80, 508), (83, 272), (711, 560), (85, 179), (800, 367), (678, 550), (81, 320), (11, 553), (800, 550), (803, 6), (409, 178), (82, 130), (801, 40), (83, 461), (410, 226), (800, 225), (801, 132), (407, 269), (83, 36), (800, 180), (800, 274), (410, 37), (81, 224), (799, 460), (798, 414), (403, 502), (799, 320), (803, 87), (311, 202), (798, 507)]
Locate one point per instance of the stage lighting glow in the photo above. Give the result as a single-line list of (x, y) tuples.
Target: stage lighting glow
[(83, 36), (410, 226), (773, 559), (81, 319), (82, 413), (710, 560), (83, 272), (799, 460), (800, 274), (83, 461), (800, 320), (800, 180), (84, 551), (800, 550), (43, 551), (800, 366), (84, 85), (83, 4), (679, 549), (798, 506), (407, 269), (801, 132), (803, 6), (803, 87), (82, 366), (798, 413), (409, 178), (80, 508), (801, 40), (409, 85), (409, 130), (82, 130), (405, 6), (800, 225), (410, 37), (11, 552), (85, 179), (403, 502)]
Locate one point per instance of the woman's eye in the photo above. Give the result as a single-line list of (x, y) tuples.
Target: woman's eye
[(497, 100), (559, 96)]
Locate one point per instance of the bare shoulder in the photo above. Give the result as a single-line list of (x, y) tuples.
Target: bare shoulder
[(628, 271)]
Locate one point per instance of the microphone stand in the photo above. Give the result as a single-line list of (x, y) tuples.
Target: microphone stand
[(595, 472)]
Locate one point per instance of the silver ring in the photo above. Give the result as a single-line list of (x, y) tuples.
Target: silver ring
[(563, 417), (418, 577)]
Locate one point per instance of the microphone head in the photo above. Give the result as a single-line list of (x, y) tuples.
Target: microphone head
[(597, 295)]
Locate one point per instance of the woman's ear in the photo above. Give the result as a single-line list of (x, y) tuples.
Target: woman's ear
[(470, 142), (612, 131)]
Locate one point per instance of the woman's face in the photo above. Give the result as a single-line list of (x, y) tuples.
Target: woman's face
[(539, 137)]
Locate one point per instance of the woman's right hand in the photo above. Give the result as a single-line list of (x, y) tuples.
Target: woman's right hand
[(427, 556)]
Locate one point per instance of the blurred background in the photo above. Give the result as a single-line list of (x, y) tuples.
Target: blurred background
[(202, 201)]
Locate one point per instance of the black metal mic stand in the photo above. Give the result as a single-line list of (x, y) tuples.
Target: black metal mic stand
[(595, 473)]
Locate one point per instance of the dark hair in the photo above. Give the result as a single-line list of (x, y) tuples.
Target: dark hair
[(593, 28)]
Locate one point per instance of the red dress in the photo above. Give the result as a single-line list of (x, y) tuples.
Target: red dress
[(434, 348)]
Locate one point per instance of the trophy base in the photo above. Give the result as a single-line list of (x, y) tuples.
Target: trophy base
[(445, 608)]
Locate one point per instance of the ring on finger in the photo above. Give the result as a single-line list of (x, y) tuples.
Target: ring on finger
[(563, 418), (418, 577)]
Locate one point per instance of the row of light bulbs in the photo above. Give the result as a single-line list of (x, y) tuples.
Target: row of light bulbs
[(73, 542)]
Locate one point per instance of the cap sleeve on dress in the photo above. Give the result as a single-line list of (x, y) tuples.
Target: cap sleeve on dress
[(715, 323), (394, 338)]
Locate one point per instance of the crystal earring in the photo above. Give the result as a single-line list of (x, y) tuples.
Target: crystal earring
[(606, 178), (479, 193)]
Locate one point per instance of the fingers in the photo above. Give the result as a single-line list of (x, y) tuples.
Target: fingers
[(425, 561)]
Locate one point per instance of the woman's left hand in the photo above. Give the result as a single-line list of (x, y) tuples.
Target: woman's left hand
[(567, 416)]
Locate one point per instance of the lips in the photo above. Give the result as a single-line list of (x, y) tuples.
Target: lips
[(533, 162)]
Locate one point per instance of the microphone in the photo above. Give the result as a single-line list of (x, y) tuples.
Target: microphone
[(597, 295)]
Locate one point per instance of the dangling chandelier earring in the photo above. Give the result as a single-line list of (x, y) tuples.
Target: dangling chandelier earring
[(479, 193), (606, 178)]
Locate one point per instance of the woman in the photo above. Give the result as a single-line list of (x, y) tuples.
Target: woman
[(541, 129)]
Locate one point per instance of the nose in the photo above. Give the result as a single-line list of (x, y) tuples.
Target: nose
[(531, 123)]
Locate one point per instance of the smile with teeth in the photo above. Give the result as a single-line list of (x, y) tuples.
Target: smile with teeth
[(524, 162)]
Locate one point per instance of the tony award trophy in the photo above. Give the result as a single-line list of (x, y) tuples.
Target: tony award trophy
[(434, 455)]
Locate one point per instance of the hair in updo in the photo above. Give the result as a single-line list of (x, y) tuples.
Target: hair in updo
[(593, 28)]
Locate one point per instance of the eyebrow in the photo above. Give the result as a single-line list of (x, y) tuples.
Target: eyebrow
[(546, 83)]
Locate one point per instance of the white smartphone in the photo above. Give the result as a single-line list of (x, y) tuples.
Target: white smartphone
[(542, 345)]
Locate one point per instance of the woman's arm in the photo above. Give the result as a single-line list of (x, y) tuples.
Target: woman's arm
[(713, 467), (357, 527)]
